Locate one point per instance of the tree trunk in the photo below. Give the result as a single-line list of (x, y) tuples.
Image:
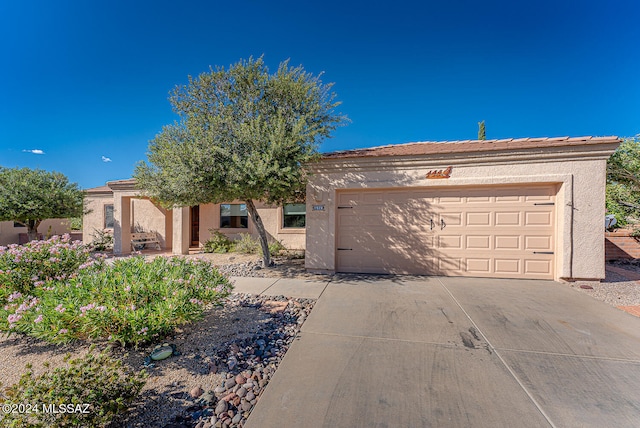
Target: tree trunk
[(262, 232), (32, 230)]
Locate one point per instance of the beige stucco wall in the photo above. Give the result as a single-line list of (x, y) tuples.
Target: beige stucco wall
[(293, 239), (10, 234), (579, 174), (93, 220)]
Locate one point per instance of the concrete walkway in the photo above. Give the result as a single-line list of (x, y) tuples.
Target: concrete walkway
[(382, 351)]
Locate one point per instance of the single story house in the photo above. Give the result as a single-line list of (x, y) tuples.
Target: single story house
[(15, 233), (513, 208), (119, 203)]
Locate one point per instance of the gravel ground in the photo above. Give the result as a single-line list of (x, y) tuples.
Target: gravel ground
[(616, 289)]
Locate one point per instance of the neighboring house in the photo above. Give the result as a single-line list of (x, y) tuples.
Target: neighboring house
[(15, 233), (515, 208), (119, 203)]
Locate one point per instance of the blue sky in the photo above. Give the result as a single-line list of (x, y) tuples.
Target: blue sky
[(86, 82)]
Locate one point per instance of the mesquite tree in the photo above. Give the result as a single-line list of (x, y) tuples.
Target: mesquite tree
[(242, 134), (28, 196)]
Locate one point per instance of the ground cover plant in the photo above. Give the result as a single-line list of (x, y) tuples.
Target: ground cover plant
[(131, 301), (88, 391)]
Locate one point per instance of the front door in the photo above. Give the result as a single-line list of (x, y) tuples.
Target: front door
[(195, 225)]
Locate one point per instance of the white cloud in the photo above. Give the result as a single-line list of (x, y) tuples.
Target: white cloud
[(106, 159), (35, 151)]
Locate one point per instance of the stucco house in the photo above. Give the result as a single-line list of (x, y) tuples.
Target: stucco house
[(514, 208), (15, 233), (118, 203)]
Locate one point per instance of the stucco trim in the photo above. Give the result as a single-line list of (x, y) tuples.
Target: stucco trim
[(395, 163)]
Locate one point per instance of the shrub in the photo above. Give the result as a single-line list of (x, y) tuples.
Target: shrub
[(218, 243), (247, 244), (96, 379), (75, 223), (24, 267), (102, 240), (130, 302), (276, 247)]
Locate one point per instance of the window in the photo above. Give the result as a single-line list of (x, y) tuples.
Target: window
[(17, 224), (108, 216), (294, 215), (234, 216)]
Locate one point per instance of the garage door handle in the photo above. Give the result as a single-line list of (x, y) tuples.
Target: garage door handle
[(543, 252), (432, 224), (345, 249), (442, 224)]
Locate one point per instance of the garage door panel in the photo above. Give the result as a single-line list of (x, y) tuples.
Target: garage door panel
[(537, 267), (537, 218), (478, 219), (540, 243), (450, 264), (478, 266), (450, 241), (477, 199), (451, 219), (507, 266), (492, 231), (478, 242), (507, 242), (508, 218)]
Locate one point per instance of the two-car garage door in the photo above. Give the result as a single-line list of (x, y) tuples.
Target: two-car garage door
[(505, 232)]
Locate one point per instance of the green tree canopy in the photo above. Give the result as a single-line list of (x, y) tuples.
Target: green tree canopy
[(623, 182), (482, 132), (243, 134), (28, 196)]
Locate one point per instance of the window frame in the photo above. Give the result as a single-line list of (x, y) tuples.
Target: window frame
[(227, 228), (281, 220), (105, 216)]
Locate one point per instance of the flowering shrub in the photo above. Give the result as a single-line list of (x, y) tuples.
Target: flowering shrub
[(97, 387), (22, 268), (130, 302)]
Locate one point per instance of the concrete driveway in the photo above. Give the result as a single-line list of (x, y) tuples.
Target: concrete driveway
[(382, 351)]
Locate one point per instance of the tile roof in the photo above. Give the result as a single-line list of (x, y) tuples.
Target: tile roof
[(100, 189), (445, 147)]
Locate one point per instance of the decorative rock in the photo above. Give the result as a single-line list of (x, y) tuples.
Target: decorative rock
[(219, 389), (236, 401), (230, 383), (221, 407), (240, 379), (200, 425), (207, 397), (229, 397), (241, 392), (250, 396), (196, 392), (245, 405), (237, 418)]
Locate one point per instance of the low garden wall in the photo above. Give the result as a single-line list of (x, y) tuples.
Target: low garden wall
[(619, 244)]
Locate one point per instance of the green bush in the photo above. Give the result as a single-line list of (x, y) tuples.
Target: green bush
[(129, 302), (75, 223), (102, 240), (218, 243), (23, 268), (96, 379), (247, 244), (276, 247)]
